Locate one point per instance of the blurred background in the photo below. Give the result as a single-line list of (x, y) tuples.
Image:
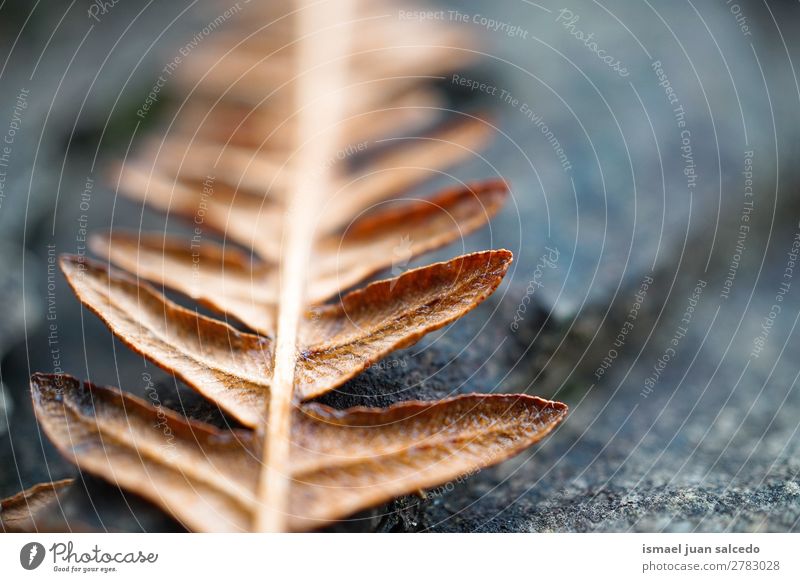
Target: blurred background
[(651, 149)]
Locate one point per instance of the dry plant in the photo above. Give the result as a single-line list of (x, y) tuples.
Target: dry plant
[(256, 153)]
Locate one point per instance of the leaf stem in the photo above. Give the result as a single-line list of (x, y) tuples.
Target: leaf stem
[(322, 45)]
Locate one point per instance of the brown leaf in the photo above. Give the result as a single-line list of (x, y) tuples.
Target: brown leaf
[(378, 72), (249, 171), (244, 219), (230, 282), (226, 122), (238, 207), (340, 461), (223, 279), (274, 181), (342, 340), (192, 470), (234, 369), (229, 367), (411, 161), (27, 511)]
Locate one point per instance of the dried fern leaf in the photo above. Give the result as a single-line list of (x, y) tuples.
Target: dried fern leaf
[(268, 179), (224, 279), (28, 510), (376, 27), (249, 221), (235, 369), (228, 281), (340, 461), (344, 339), (231, 368), (262, 128), (246, 175), (265, 77)]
